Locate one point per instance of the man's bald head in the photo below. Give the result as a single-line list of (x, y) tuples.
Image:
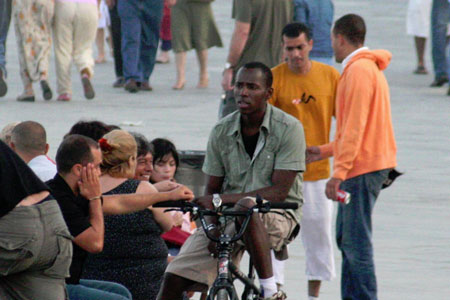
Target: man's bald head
[(29, 137)]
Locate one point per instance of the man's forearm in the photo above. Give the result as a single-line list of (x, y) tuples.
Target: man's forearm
[(96, 217)]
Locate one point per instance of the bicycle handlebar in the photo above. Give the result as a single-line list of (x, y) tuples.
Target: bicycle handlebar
[(266, 205)]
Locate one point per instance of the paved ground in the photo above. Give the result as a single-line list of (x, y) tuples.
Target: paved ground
[(411, 219)]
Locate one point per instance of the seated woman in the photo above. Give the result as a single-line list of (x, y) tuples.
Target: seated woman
[(144, 167), (165, 164), (134, 253)]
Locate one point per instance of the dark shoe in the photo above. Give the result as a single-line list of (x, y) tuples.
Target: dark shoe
[(131, 86), (3, 86), (421, 70), (439, 82), (46, 91), (25, 98), (144, 86), (89, 92), (120, 82)]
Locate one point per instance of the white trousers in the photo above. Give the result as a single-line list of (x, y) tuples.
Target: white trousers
[(316, 231), (74, 30)]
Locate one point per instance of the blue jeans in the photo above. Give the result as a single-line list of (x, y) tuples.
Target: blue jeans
[(440, 18), (140, 22), (5, 18), (97, 290), (354, 236)]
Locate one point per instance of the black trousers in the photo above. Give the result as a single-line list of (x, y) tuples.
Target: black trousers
[(116, 39)]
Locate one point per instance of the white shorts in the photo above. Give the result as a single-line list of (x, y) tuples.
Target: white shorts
[(418, 18), (315, 231)]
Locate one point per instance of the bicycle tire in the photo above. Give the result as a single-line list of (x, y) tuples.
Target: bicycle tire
[(222, 295)]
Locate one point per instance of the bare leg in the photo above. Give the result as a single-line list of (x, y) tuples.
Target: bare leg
[(173, 286), (180, 62), (202, 57), (257, 241), (314, 288), (100, 42), (420, 43)]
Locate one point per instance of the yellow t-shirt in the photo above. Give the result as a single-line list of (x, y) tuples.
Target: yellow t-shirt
[(311, 99)]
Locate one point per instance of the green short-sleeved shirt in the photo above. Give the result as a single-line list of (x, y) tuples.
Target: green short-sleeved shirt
[(281, 146), (267, 19)]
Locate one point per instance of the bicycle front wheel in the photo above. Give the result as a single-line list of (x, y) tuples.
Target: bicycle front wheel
[(222, 295)]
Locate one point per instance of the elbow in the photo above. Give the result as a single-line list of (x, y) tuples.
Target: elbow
[(96, 247)]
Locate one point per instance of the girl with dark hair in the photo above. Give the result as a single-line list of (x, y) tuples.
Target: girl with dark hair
[(165, 164)]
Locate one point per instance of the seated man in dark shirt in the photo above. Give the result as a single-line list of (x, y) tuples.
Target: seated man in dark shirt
[(76, 187)]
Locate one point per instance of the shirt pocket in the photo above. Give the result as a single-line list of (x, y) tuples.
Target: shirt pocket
[(15, 251), (266, 163)]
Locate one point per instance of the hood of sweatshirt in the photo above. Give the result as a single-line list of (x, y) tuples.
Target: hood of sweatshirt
[(381, 57)]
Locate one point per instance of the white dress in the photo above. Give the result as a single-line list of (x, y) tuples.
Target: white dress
[(104, 20), (418, 18)]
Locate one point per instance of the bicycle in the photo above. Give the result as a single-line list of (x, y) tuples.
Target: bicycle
[(223, 287)]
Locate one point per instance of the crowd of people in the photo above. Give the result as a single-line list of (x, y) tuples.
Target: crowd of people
[(273, 139)]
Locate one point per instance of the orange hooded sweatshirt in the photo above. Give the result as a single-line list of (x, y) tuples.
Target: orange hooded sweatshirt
[(364, 140)]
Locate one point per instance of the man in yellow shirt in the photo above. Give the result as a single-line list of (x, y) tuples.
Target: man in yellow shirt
[(306, 89)]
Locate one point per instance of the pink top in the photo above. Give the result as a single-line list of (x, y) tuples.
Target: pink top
[(80, 1)]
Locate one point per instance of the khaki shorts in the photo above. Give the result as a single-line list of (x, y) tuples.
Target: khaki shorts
[(194, 261)]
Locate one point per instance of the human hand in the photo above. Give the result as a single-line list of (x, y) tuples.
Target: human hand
[(227, 77), (313, 154), (181, 193), (177, 218), (89, 184), (166, 185), (205, 202), (332, 188)]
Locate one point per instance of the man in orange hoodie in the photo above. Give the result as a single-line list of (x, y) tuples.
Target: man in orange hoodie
[(364, 151)]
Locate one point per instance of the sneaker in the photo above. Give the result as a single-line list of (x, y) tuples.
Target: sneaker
[(280, 295), (3, 86), (131, 86), (88, 90)]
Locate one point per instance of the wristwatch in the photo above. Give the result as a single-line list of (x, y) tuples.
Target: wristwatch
[(216, 201), (228, 66)]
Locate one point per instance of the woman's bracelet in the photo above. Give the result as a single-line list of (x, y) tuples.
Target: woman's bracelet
[(97, 197)]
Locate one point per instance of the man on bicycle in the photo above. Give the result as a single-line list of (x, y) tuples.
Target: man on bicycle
[(256, 150)]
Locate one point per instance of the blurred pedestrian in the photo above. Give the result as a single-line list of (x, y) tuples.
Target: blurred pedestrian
[(193, 27), (418, 25), (440, 18), (5, 18), (165, 35), (116, 36), (104, 28), (32, 20), (140, 22), (74, 28)]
